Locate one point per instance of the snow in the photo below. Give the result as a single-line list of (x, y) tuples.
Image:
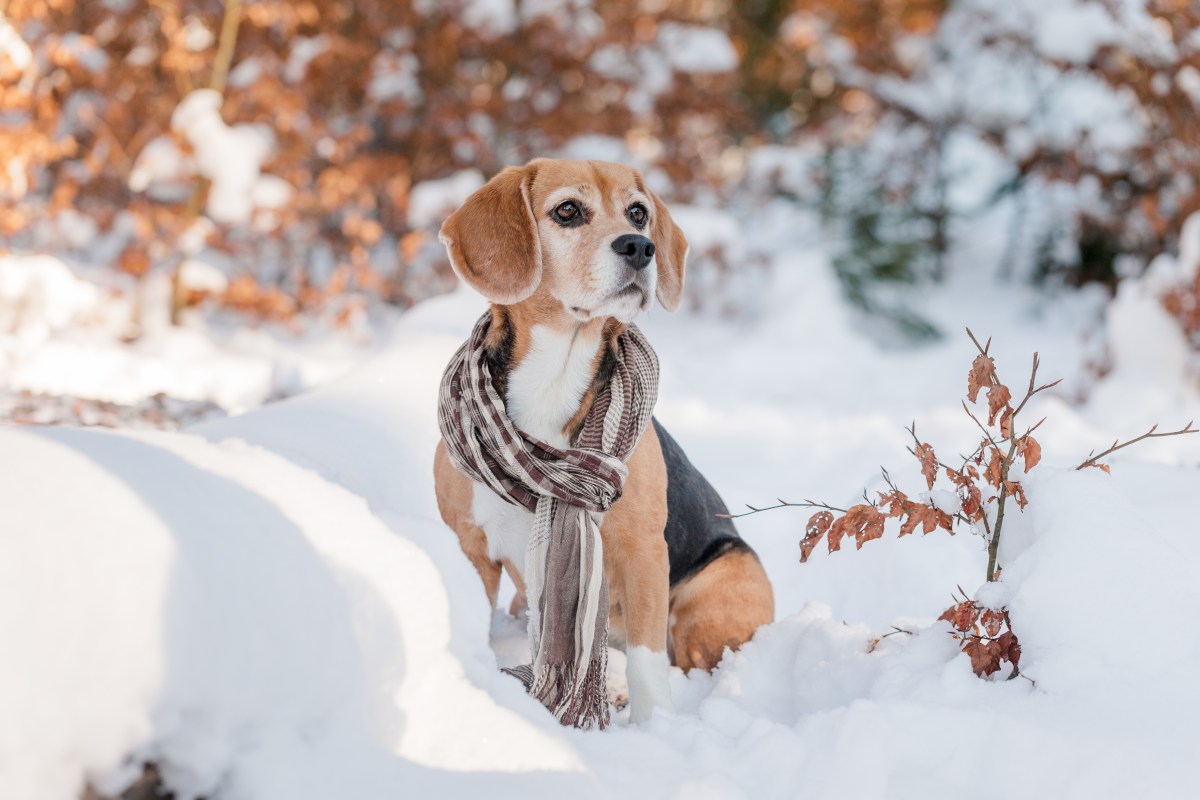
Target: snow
[(38, 295), (231, 157), (430, 202), (395, 76), (946, 501), (993, 595), (697, 50), (268, 606), (495, 17), (303, 50), (14, 52), (201, 276), (62, 333), (160, 160), (1073, 31), (196, 35)]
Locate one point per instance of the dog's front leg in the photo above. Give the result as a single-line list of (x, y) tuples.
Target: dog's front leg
[(639, 581)]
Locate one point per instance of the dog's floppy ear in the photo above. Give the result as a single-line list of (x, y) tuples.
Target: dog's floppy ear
[(492, 238), (670, 252)]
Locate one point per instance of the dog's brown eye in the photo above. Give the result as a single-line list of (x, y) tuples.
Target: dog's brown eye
[(566, 211), (637, 215)]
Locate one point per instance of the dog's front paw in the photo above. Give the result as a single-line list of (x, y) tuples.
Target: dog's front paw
[(647, 672), (618, 685)]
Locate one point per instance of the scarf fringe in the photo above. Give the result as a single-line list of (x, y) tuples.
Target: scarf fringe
[(581, 704)]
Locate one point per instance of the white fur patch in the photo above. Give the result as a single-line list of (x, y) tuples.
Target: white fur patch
[(647, 673), (545, 389), (544, 392)]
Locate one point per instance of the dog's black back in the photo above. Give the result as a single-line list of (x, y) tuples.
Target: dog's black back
[(695, 534)]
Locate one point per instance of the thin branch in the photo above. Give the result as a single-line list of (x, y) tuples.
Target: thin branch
[(782, 504), (1031, 391), (986, 434), (896, 630), (1033, 427), (983, 349), (230, 22), (887, 478), (1091, 460)]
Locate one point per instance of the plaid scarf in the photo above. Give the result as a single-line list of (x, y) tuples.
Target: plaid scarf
[(567, 491)]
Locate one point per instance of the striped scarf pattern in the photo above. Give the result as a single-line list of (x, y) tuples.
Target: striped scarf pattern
[(567, 491)]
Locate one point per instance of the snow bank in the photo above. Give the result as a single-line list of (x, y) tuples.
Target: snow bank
[(252, 629), (62, 334)]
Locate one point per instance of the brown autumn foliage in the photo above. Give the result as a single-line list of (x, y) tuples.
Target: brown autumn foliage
[(986, 637), (362, 100)]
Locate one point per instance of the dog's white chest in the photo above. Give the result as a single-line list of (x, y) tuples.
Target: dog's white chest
[(544, 392)]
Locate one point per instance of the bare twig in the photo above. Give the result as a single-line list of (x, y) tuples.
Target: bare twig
[(896, 630), (912, 429), (1093, 457), (782, 504), (983, 349), (987, 435), (225, 44), (1031, 391)]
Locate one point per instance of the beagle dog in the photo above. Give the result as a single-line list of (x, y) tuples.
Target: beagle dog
[(568, 253)]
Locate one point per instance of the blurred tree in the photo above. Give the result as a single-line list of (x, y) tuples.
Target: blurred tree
[(360, 101)]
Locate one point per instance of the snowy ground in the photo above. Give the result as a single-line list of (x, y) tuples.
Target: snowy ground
[(268, 606), (104, 342)]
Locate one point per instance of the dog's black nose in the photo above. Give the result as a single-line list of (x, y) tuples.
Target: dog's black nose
[(636, 250)]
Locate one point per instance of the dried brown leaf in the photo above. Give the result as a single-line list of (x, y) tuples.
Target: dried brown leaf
[(993, 473), (1030, 450), (1016, 490), (982, 374), (864, 522), (818, 526), (929, 463), (998, 398), (992, 621), (962, 616)]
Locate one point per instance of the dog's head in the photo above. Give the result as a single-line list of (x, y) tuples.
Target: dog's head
[(587, 234)]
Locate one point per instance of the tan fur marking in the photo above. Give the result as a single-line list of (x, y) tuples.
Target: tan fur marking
[(517, 606), (635, 552), (721, 606), (454, 492)]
